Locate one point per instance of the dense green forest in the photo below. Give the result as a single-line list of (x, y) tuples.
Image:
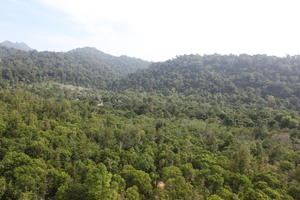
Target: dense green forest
[(246, 75), (89, 126), (84, 66)]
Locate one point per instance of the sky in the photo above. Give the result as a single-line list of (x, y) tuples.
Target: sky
[(155, 30)]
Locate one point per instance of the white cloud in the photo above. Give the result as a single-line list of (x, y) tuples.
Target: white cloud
[(160, 29)]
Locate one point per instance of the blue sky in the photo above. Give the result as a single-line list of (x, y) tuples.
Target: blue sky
[(157, 29), (37, 25)]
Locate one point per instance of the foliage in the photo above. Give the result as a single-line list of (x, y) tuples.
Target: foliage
[(195, 127)]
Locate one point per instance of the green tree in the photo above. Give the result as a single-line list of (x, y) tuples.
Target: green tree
[(137, 178), (98, 183)]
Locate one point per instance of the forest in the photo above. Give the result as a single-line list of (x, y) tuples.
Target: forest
[(85, 125)]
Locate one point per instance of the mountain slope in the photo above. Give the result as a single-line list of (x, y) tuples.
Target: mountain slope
[(85, 66), (122, 64), (17, 45), (173, 134), (242, 78), (193, 74)]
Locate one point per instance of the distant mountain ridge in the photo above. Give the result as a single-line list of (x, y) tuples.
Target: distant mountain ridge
[(246, 76), (16, 45), (121, 64), (83, 66)]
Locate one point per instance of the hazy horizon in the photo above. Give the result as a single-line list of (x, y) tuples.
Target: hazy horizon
[(155, 30)]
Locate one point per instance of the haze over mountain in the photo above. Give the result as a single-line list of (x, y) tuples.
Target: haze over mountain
[(249, 78), (82, 66), (226, 74), (121, 64), (16, 45)]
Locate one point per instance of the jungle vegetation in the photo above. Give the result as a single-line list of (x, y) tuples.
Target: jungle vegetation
[(85, 125)]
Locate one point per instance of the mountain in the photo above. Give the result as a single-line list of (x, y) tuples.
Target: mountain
[(247, 75), (213, 127), (233, 78), (85, 66), (17, 45), (121, 64)]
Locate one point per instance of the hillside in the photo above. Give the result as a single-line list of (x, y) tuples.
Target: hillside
[(85, 66), (249, 77), (220, 74), (121, 65), (86, 125), (17, 45)]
